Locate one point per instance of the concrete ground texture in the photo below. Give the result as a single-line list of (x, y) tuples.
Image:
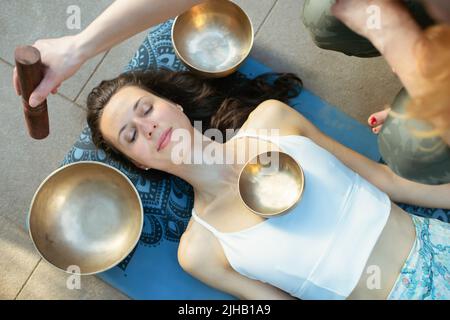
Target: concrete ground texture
[(356, 86)]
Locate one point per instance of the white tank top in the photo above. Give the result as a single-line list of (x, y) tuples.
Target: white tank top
[(320, 248)]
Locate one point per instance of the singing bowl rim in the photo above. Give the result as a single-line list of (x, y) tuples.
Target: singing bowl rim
[(130, 183), (281, 212), (218, 73)]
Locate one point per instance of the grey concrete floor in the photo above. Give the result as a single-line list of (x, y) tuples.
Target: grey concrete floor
[(356, 86)]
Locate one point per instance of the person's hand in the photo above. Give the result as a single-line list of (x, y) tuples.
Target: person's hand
[(61, 59), (360, 15)]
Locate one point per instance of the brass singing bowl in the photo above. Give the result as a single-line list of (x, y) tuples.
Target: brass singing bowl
[(85, 215), (213, 38), (271, 183)]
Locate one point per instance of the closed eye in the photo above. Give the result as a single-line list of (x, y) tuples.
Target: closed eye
[(148, 110), (133, 138)]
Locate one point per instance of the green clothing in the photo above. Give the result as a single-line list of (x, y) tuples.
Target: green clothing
[(425, 160), (329, 33), (419, 159)]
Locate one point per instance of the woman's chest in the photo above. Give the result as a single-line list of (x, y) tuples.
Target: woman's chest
[(228, 214)]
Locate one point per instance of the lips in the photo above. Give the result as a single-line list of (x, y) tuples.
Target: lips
[(164, 139)]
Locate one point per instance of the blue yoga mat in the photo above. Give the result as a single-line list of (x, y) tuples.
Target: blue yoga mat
[(152, 271), (135, 281)]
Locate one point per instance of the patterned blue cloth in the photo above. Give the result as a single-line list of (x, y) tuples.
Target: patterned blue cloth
[(151, 271), (426, 273)]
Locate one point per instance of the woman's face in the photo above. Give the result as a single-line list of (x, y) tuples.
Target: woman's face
[(139, 124)]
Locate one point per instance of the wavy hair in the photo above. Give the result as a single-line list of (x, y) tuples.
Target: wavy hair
[(223, 103)]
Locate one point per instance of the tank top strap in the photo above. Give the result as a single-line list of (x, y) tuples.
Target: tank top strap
[(252, 134), (216, 232)]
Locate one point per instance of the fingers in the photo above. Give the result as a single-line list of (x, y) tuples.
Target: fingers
[(16, 85), (16, 82), (47, 85)]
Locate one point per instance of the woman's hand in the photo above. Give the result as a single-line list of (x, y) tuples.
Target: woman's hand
[(61, 59), (121, 20)]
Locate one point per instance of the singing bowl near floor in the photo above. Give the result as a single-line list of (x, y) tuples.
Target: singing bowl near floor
[(87, 216)]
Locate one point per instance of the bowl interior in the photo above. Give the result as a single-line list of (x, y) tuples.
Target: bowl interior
[(213, 37), (87, 215), (271, 183)]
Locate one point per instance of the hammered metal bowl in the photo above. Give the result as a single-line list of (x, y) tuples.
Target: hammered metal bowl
[(213, 38), (271, 183), (86, 215)]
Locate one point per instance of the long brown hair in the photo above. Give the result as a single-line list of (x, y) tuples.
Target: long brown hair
[(223, 103)]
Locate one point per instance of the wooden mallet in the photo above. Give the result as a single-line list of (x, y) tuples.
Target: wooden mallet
[(30, 71)]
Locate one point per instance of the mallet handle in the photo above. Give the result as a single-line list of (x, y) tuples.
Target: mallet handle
[(30, 73)]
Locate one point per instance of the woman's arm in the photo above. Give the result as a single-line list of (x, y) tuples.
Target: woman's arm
[(395, 37), (64, 56), (275, 114), (206, 261), (233, 283), (399, 189), (125, 18)]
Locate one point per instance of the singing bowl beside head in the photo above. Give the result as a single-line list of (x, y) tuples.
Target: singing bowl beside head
[(271, 183), (87, 216), (213, 38)]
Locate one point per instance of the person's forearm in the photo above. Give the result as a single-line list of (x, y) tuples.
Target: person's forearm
[(125, 18), (397, 188), (428, 196), (396, 40)]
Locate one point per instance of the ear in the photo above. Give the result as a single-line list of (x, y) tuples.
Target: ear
[(140, 166), (180, 107)]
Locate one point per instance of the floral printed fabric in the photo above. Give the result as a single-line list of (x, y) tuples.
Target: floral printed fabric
[(425, 275)]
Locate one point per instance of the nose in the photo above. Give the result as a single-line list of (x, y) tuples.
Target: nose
[(146, 126)]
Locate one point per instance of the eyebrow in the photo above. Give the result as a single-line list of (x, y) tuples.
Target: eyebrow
[(134, 109)]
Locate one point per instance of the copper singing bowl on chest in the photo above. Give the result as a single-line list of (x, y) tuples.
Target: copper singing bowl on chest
[(271, 183), (85, 215), (213, 38)]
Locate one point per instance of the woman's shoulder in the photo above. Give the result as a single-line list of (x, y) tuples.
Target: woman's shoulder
[(270, 108), (199, 249), (274, 114)]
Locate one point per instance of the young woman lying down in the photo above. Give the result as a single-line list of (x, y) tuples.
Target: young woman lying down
[(345, 239)]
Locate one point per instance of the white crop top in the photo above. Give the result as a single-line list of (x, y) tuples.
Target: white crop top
[(320, 248)]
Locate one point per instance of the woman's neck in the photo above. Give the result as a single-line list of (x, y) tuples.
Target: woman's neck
[(206, 168)]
